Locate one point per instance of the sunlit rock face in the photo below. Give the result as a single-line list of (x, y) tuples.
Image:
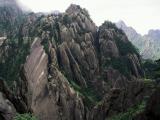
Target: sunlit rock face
[(49, 99)]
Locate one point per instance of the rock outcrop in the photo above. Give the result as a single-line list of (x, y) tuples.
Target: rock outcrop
[(7, 110), (124, 95), (48, 94), (35, 75)]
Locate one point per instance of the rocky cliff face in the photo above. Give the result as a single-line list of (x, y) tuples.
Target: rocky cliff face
[(68, 65), (48, 94), (148, 44), (7, 109)]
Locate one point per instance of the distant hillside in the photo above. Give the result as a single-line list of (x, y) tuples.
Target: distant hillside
[(148, 45)]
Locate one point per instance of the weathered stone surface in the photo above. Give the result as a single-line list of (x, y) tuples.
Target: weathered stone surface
[(65, 34), (64, 59), (2, 39), (135, 65), (53, 56), (82, 17), (68, 102), (7, 110), (73, 9), (153, 106), (70, 65), (13, 97), (119, 99), (49, 95), (108, 48), (35, 74), (115, 45)]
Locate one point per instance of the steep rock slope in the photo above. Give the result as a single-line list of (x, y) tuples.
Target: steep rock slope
[(7, 110), (121, 72), (68, 66), (49, 98)]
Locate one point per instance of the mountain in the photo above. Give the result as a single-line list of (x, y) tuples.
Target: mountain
[(148, 44), (63, 67)]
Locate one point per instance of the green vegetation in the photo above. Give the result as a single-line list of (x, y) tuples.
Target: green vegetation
[(5, 24), (90, 97), (25, 117), (46, 46), (131, 113), (15, 48), (152, 69), (14, 57), (125, 47), (150, 84), (67, 19), (86, 13), (157, 70), (109, 25), (122, 64)]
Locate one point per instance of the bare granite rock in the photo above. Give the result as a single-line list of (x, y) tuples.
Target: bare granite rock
[(7, 110)]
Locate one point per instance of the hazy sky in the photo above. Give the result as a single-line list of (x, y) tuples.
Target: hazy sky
[(140, 14)]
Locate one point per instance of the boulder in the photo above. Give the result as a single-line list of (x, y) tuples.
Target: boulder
[(7, 110), (109, 48)]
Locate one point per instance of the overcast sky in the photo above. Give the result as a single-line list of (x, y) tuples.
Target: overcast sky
[(140, 14)]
